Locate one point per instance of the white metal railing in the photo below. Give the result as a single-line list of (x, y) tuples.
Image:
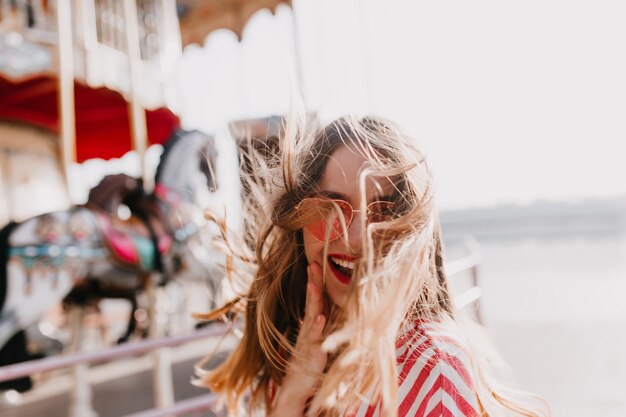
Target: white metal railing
[(470, 262), (82, 358), (63, 361), (209, 401)]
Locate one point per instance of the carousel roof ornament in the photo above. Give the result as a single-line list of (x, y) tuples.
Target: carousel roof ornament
[(198, 18), (20, 58)]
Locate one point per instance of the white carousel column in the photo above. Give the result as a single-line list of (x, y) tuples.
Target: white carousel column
[(171, 45), (66, 87), (7, 188), (162, 375), (297, 52), (162, 370), (5, 12), (365, 55), (170, 53), (81, 395), (137, 114)]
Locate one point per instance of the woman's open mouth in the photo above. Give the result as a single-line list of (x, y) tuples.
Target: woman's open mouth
[(342, 266)]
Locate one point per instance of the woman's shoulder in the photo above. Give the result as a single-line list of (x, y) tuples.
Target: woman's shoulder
[(435, 372)]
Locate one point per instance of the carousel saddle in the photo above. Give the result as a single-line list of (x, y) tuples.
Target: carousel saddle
[(137, 243), (131, 244)]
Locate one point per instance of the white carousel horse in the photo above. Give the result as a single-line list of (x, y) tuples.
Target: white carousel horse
[(87, 253)]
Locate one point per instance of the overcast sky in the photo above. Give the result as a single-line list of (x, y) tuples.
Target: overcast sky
[(514, 101)]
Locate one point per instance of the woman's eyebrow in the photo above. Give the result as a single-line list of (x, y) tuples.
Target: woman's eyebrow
[(333, 195), (388, 197)]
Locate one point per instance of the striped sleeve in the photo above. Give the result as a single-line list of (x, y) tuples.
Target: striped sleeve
[(433, 377)]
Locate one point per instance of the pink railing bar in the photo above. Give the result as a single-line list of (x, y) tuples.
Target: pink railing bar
[(62, 361), (196, 404)]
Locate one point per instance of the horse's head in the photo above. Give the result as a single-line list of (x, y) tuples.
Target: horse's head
[(187, 166)]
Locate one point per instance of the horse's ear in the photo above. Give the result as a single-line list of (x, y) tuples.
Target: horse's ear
[(209, 159), (207, 167)]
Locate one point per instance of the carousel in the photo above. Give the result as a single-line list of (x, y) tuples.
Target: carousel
[(97, 79)]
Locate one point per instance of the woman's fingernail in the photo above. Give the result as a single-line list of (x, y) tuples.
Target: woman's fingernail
[(319, 318)]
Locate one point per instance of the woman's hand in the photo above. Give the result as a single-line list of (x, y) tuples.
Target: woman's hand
[(309, 360)]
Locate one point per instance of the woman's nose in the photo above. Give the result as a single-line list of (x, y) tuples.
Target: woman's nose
[(354, 233)]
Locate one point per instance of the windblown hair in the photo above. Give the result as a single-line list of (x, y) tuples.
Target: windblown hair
[(398, 279)]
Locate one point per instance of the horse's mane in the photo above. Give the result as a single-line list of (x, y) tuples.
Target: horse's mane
[(14, 350), (5, 233)]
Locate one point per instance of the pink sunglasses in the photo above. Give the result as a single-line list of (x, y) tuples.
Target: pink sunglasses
[(319, 214)]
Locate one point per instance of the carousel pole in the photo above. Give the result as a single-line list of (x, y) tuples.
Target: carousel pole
[(81, 395), (80, 405), (66, 88), (297, 51), (137, 114), (365, 55), (171, 45), (162, 372), (7, 185)]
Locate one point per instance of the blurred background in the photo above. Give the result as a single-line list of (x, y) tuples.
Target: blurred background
[(520, 106)]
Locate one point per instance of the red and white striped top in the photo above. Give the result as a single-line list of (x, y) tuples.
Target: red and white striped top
[(433, 373)]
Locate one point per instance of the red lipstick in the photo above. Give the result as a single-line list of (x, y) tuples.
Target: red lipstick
[(340, 275)]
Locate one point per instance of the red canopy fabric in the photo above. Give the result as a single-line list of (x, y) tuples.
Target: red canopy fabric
[(102, 122)]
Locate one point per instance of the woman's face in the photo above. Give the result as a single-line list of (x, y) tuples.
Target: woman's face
[(340, 180)]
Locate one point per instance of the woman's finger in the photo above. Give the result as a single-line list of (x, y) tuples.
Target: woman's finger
[(315, 274), (307, 301), (314, 302), (317, 329), (309, 359)]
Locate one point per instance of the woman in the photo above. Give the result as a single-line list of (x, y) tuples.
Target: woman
[(347, 308)]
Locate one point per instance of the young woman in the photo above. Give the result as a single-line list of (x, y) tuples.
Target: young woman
[(347, 307)]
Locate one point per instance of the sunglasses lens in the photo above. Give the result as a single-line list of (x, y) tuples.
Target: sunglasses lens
[(380, 211), (324, 219)]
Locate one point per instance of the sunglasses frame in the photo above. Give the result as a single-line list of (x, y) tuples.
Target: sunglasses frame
[(348, 220)]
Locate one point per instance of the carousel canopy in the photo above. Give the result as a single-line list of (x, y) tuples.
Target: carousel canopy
[(29, 94), (102, 124)]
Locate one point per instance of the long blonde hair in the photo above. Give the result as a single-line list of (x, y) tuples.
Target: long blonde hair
[(399, 278)]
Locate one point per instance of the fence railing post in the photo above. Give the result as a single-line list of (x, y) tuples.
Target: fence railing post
[(80, 403)]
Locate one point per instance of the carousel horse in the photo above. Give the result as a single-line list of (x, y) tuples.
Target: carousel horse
[(86, 253), (113, 192)]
